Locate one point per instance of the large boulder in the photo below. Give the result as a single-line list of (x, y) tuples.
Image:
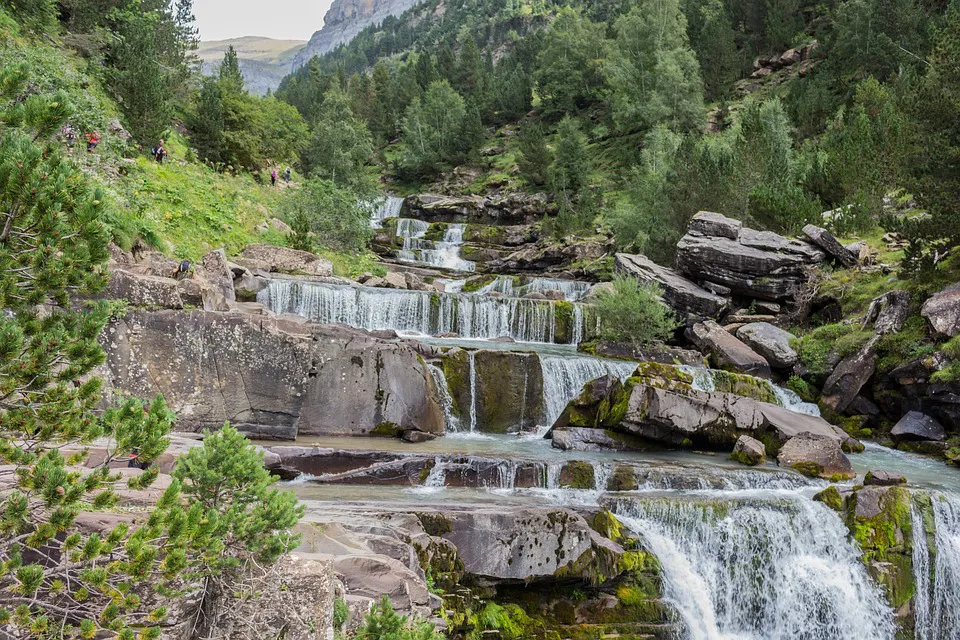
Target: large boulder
[(684, 296), (771, 342), (590, 439), (756, 264), (727, 351), (749, 451), (826, 241), (601, 404), (817, 456), (214, 271), (508, 208), (918, 426), (285, 260), (942, 310), (144, 291), (849, 377), (889, 312), (274, 377)]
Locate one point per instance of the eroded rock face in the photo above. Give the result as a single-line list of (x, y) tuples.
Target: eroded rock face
[(771, 342), (849, 377), (284, 260), (756, 264), (826, 241), (727, 351), (601, 404), (272, 377), (942, 310), (817, 456), (683, 296), (510, 208), (145, 290), (918, 426)]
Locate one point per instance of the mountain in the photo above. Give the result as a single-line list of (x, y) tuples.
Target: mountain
[(263, 61), (344, 20)]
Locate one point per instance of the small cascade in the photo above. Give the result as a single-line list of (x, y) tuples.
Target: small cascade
[(572, 290), (452, 424), (601, 475), (472, 359), (703, 380), (792, 402), (417, 312), (564, 377), (412, 232), (388, 207), (937, 602), (435, 480), (443, 254), (781, 570)]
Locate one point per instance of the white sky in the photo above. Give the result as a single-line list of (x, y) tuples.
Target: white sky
[(281, 19)]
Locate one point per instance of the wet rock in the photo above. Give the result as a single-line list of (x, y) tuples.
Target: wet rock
[(771, 342), (749, 451), (918, 426), (681, 294), (883, 478), (509, 208), (849, 377), (942, 310), (817, 456), (545, 257), (269, 376), (285, 260), (144, 291), (416, 437), (602, 403), (653, 353), (590, 439), (826, 241), (727, 351)]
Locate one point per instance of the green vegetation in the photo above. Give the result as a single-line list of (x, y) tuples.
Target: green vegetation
[(383, 623), (634, 313)]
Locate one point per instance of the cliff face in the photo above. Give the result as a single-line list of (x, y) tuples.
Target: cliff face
[(347, 18)]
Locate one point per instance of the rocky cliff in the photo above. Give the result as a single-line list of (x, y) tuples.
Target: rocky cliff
[(344, 20)]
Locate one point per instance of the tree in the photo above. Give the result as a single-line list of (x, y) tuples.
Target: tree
[(634, 313), (509, 95), (878, 37), (569, 177), (330, 213), (654, 75), (383, 623), (568, 71), (384, 123), (340, 148), (437, 132), (207, 121), (715, 45), (469, 70), (535, 159), (231, 78)]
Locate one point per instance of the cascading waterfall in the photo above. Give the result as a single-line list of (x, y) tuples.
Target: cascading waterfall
[(472, 359), (572, 290), (446, 253), (564, 377), (937, 600), (419, 312), (388, 207), (446, 400), (703, 380), (412, 232), (757, 570)]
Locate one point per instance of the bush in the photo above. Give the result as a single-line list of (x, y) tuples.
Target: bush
[(333, 215), (634, 313), (383, 623)]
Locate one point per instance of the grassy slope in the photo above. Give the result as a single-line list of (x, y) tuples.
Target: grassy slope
[(252, 48)]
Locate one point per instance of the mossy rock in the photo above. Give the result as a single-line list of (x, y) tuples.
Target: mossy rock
[(744, 385), (475, 284), (662, 376), (577, 474), (563, 321), (832, 498), (434, 523), (624, 478), (607, 525), (387, 430), (456, 369)]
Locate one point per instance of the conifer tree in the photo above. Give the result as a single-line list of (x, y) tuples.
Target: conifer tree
[(534, 161)]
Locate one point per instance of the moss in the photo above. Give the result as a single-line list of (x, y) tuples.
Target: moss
[(456, 369), (744, 385), (563, 318), (577, 474), (607, 525), (818, 348), (809, 469), (387, 430), (832, 498), (662, 376), (744, 459), (475, 284), (623, 479), (427, 468), (806, 391), (433, 523)]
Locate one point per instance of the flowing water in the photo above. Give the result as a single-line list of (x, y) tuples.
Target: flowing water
[(439, 254), (937, 603), (519, 286), (388, 207), (564, 377)]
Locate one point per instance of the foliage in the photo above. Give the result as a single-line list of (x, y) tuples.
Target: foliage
[(535, 159), (569, 176), (37, 15), (437, 131), (634, 313), (569, 65), (330, 213), (340, 148), (383, 623)]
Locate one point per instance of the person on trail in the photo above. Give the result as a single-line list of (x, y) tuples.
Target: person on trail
[(273, 178), (286, 174), (93, 139), (69, 136), (159, 152)]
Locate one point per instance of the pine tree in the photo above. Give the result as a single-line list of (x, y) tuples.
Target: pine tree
[(384, 122), (207, 121), (568, 70), (231, 78), (716, 49), (437, 131), (534, 161), (469, 69)]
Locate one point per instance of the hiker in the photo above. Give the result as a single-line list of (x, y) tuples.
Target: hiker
[(273, 178), (93, 139), (286, 174), (69, 136), (134, 461), (159, 152)]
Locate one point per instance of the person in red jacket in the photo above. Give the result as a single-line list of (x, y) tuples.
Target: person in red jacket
[(93, 139)]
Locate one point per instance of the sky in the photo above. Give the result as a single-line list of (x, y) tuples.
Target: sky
[(283, 19)]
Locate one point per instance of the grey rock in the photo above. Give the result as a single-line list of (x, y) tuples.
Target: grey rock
[(344, 20), (417, 437), (826, 241), (214, 271), (727, 351), (589, 439), (273, 377), (889, 312), (749, 451), (654, 353), (144, 290), (771, 342), (681, 294), (883, 478), (285, 260), (715, 224), (596, 291), (849, 377), (817, 456), (918, 426), (153, 263), (500, 209), (942, 310)]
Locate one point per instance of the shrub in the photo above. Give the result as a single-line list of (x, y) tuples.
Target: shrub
[(332, 214), (634, 313), (383, 623)]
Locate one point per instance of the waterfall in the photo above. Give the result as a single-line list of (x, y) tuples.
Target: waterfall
[(564, 377), (703, 380), (572, 289), (420, 312), (937, 600), (782, 570), (412, 232), (451, 422), (435, 480), (444, 254), (388, 207), (472, 359)]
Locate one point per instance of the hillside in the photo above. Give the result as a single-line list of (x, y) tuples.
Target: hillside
[(263, 61), (344, 20)]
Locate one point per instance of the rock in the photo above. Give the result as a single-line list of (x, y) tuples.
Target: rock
[(276, 225), (286, 260), (550, 256), (545, 295), (756, 264), (509, 208), (214, 270), (849, 377), (747, 318), (888, 312), (771, 342), (602, 403), (154, 263), (417, 437), (715, 224), (918, 426), (413, 282), (883, 478), (826, 241), (144, 291), (191, 291), (394, 280), (942, 310), (589, 439), (247, 286), (596, 291), (771, 308), (269, 376), (816, 456), (681, 294), (727, 351), (749, 451), (653, 353)]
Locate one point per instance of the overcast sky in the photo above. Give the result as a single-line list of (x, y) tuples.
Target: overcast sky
[(282, 19)]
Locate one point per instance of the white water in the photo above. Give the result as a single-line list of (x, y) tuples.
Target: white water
[(472, 358), (937, 602), (416, 312), (748, 570), (572, 290), (446, 400), (703, 380), (444, 254), (388, 207), (564, 377), (412, 232)]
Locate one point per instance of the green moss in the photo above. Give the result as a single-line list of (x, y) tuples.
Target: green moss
[(744, 385), (832, 498), (387, 429), (623, 479), (607, 525), (662, 376), (806, 391), (577, 474), (820, 346), (744, 459), (433, 523), (475, 284), (910, 343)]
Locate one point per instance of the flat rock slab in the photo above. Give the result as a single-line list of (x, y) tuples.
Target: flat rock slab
[(285, 260), (883, 478), (918, 426), (727, 351), (771, 342), (826, 241), (816, 456)]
